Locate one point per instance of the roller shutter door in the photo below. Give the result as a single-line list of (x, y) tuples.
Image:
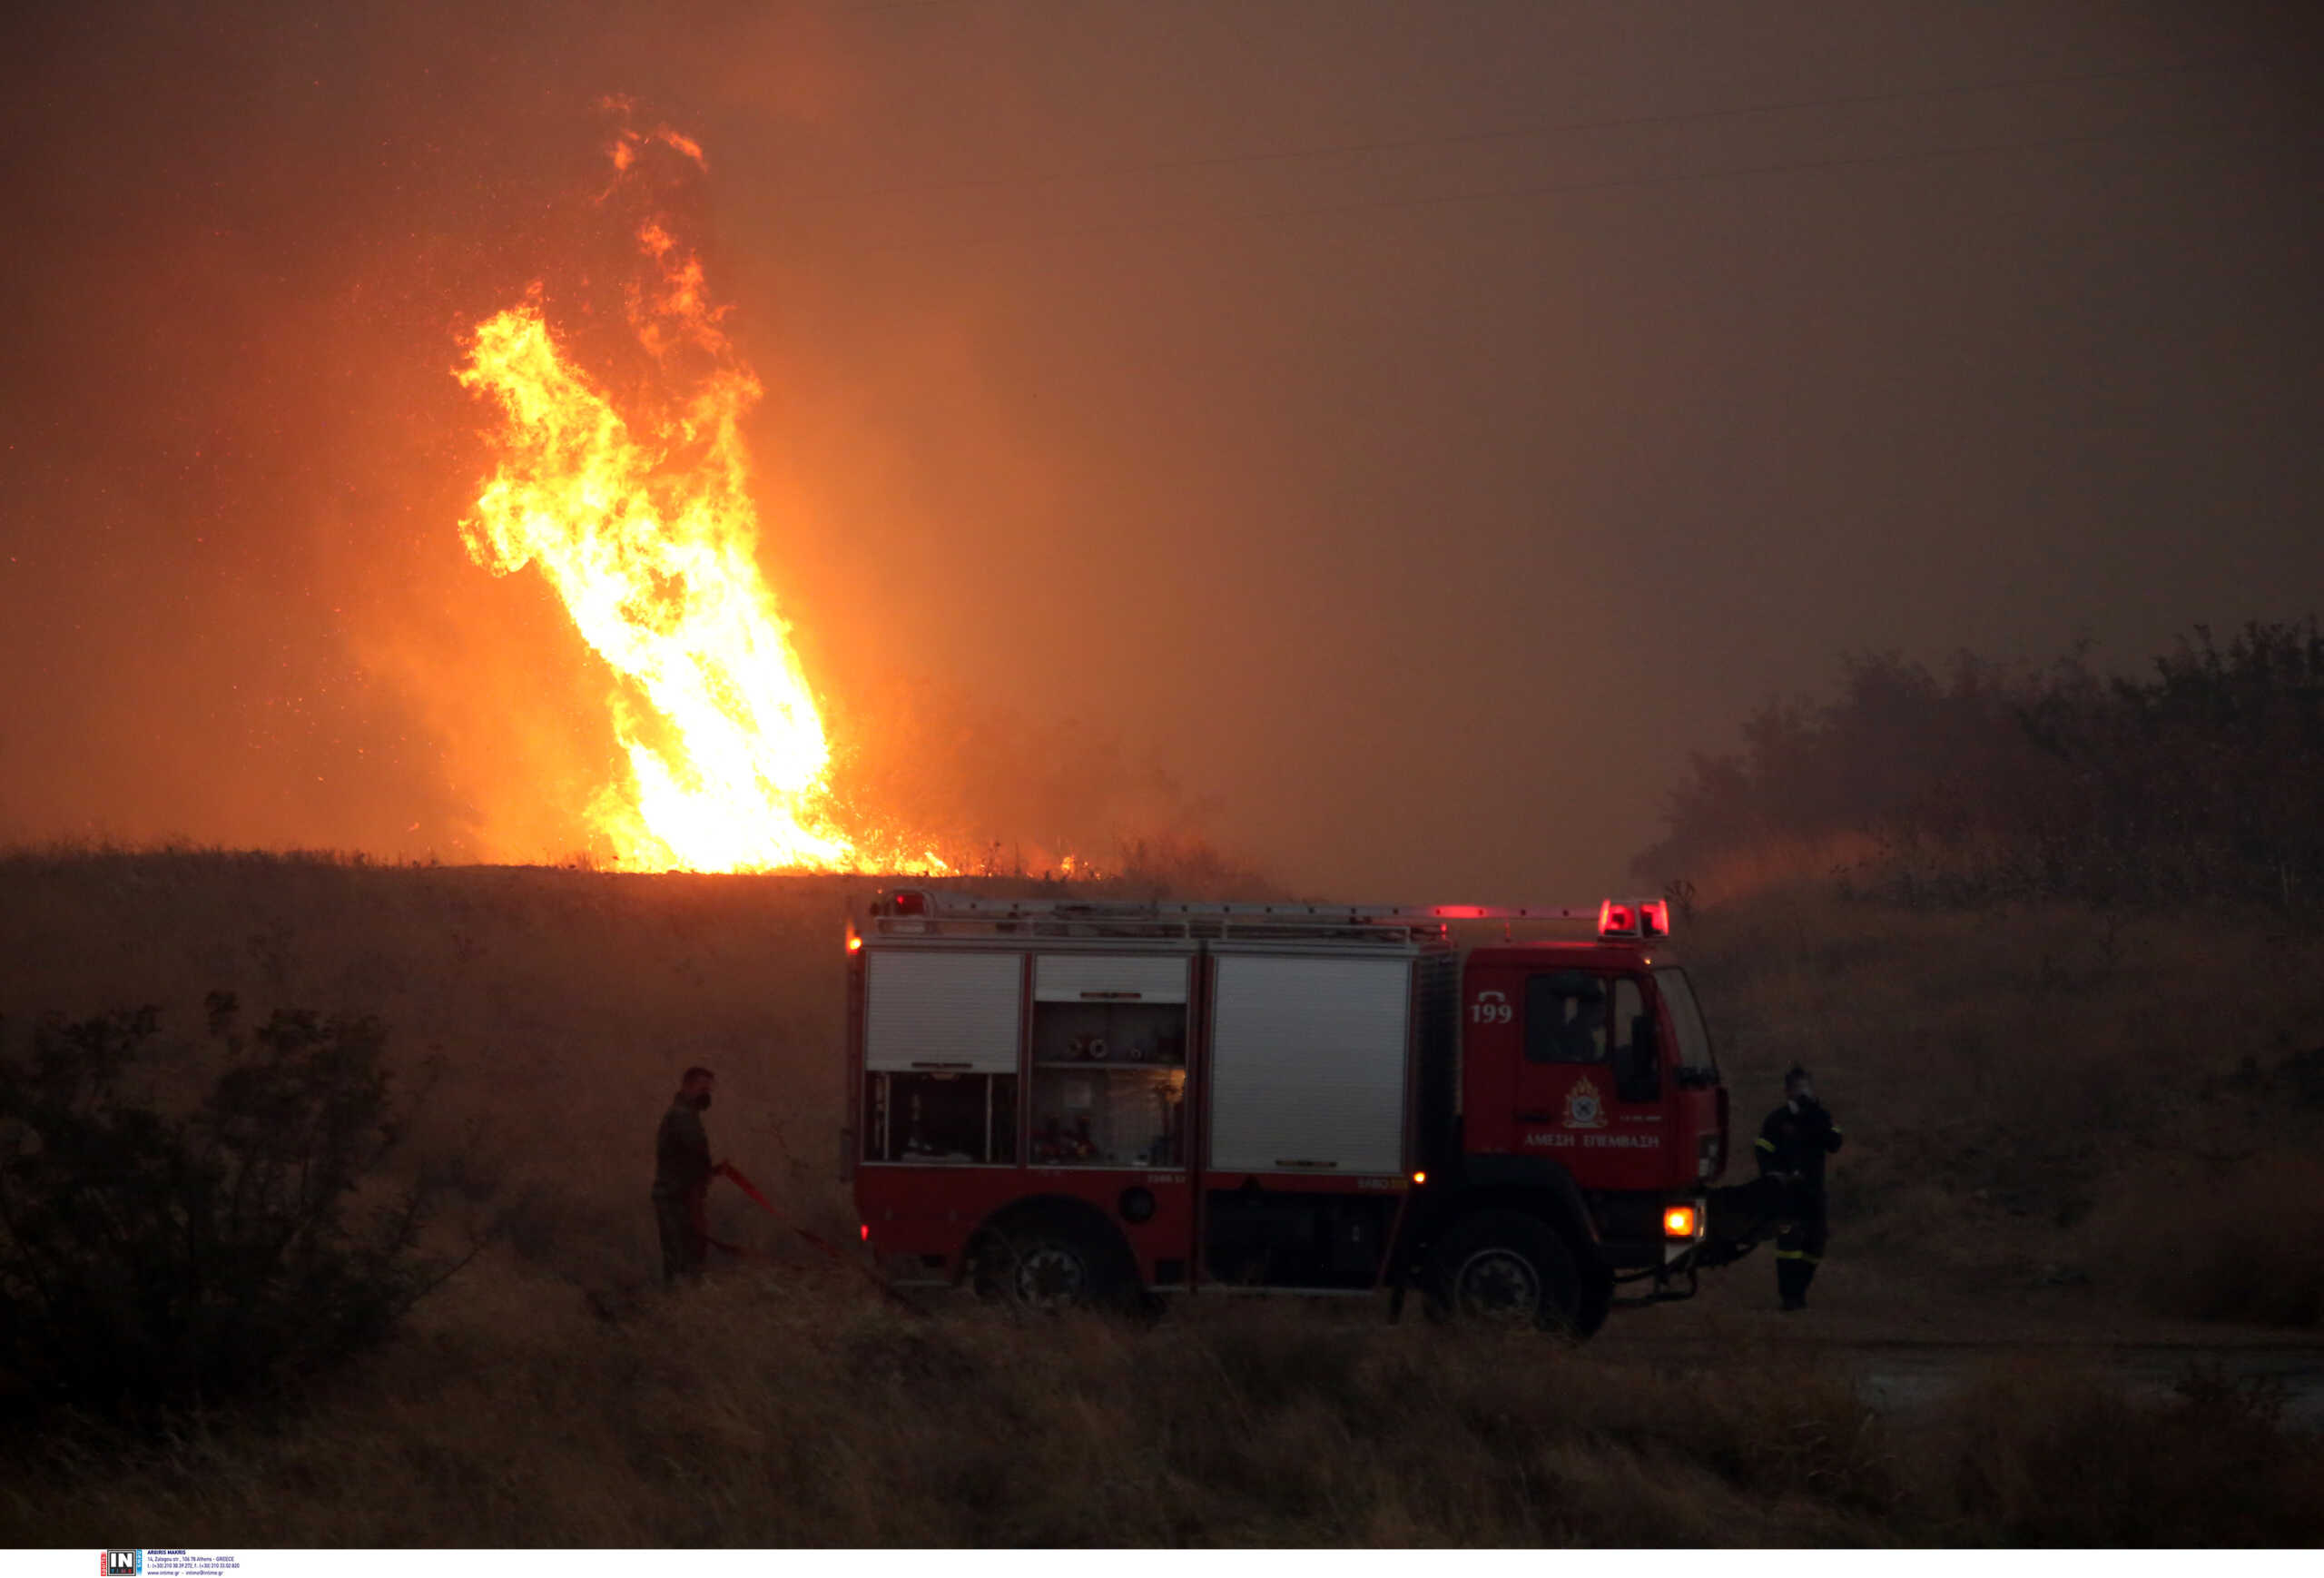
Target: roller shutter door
[(1307, 1064), (1109, 976), (927, 1009)]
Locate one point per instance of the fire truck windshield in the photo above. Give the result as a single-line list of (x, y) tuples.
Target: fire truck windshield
[(1697, 1064)]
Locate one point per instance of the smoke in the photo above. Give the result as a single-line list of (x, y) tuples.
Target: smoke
[(1411, 484)]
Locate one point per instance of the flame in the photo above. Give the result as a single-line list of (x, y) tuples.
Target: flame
[(643, 522)]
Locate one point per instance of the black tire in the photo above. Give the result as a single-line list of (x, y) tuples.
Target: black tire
[(1597, 1301), (1049, 1266), (1506, 1268)]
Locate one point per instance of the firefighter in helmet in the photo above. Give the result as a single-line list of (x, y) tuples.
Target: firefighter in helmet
[(1793, 1143), (682, 1171)]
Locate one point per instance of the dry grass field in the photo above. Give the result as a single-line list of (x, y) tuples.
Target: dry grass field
[(547, 1012), (771, 1409), (2057, 1097), (2049, 1111)]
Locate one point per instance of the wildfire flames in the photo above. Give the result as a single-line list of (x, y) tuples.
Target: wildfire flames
[(644, 524)]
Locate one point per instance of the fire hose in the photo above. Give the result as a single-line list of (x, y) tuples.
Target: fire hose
[(734, 1176)]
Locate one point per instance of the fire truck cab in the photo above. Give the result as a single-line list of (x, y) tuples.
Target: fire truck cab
[(1069, 1102)]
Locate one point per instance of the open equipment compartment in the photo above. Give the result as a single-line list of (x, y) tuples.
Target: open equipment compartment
[(940, 1059), (1109, 1059)]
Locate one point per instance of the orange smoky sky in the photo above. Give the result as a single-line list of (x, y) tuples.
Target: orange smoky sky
[(1385, 439)]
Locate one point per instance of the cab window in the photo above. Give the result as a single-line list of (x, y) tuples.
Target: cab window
[(1636, 1076), (1565, 1017)]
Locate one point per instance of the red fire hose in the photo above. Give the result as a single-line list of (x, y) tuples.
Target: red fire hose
[(734, 1176)]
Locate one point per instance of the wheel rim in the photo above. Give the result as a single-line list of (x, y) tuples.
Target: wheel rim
[(1050, 1276), (1498, 1284)]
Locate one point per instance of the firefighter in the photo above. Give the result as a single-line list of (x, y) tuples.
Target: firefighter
[(682, 1169), (1793, 1143)]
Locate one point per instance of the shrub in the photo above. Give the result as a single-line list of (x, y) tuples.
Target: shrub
[(2197, 785), (150, 1258)]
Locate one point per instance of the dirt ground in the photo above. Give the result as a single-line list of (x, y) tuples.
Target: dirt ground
[(1912, 1341)]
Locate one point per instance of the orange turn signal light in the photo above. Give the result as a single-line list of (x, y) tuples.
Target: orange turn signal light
[(1419, 1178), (1679, 1222), (854, 942)]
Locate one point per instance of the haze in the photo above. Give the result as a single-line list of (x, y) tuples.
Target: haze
[(1385, 439)]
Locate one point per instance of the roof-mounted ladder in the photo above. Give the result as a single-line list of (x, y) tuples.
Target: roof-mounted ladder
[(1642, 919)]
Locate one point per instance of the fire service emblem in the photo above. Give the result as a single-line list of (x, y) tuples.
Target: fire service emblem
[(1582, 1108)]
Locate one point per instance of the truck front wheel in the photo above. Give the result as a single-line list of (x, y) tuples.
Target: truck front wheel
[(1507, 1268)]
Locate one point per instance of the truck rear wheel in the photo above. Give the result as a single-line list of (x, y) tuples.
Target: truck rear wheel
[(1048, 1266), (1507, 1268)]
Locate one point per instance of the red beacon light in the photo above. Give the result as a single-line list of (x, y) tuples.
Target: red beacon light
[(1642, 921), (908, 902)]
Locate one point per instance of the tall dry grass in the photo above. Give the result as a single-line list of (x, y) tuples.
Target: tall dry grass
[(2056, 1093), (2048, 1091), (561, 1004), (2025, 1092), (769, 1410)]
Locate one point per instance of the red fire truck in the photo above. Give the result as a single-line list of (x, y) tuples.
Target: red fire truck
[(1097, 1102)]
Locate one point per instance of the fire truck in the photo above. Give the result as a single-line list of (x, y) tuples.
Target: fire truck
[(1065, 1102)]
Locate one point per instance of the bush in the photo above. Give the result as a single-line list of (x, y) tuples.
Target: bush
[(2197, 785), (149, 1257)]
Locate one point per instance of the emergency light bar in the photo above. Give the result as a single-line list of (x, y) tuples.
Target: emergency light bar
[(1643, 919)]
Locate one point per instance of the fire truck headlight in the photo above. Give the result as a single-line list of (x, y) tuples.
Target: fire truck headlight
[(1679, 1222)]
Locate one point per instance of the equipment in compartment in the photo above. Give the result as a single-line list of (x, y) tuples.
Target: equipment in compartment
[(929, 1118), (1103, 1116), (1132, 1034)]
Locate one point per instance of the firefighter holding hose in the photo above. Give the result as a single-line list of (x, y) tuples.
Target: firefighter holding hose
[(682, 1174), (1792, 1145)]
